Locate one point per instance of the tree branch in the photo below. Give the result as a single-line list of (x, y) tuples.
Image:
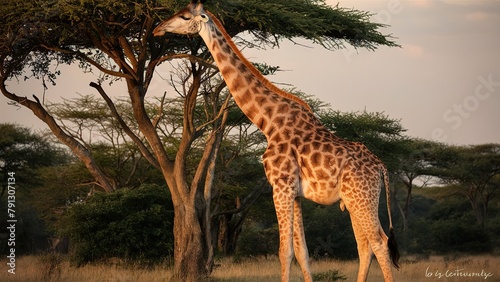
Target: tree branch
[(142, 148), (88, 60), (76, 147), (191, 58), (129, 53)]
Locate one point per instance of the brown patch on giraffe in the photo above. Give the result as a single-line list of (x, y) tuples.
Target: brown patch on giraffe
[(242, 68), (215, 46), (233, 60), (227, 71), (225, 48), (316, 145), (283, 147), (298, 132), (295, 113), (286, 165), (327, 147), (308, 126), (249, 78), (327, 161), (300, 123), (276, 138), (220, 42), (296, 141), (261, 100), (316, 159), (277, 161), (218, 32), (261, 123), (268, 111), (283, 108), (220, 57), (237, 84), (273, 97), (279, 122), (307, 137), (321, 174), (286, 133), (252, 111), (306, 149)]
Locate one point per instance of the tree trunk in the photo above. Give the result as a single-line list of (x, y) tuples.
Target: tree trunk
[(406, 211), (189, 264), (230, 223), (471, 194), (232, 232)]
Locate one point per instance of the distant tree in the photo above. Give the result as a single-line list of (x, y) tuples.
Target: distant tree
[(22, 152), (413, 162), (91, 122), (24, 155), (473, 170)]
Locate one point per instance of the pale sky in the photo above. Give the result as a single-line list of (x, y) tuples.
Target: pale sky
[(443, 84)]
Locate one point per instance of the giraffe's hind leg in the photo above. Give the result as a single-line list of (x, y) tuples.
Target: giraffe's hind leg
[(364, 250), (381, 250), (371, 240)]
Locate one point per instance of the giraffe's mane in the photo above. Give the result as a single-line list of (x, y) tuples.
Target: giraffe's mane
[(253, 69)]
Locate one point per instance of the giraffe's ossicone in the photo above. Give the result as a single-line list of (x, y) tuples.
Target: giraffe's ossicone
[(303, 158)]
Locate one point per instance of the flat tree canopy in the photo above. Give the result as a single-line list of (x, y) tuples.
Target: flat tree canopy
[(72, 30)]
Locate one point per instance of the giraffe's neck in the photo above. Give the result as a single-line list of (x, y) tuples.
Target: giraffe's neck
[(256, 96)]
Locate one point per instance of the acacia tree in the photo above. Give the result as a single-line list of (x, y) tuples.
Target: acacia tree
[(114, 38), (413, 161), (473, 171)]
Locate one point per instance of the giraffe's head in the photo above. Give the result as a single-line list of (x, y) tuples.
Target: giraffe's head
[(189, 20)]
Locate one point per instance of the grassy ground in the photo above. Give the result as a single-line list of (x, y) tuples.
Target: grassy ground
[(51, 268)]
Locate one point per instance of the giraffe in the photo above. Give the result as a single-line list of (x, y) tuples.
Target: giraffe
[(302, 159)]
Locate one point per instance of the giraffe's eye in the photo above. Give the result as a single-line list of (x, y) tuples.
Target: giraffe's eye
[(185, 17)]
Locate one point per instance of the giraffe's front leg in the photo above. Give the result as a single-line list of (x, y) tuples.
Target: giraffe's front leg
[(283, 175), (284, 212), (299, 241)]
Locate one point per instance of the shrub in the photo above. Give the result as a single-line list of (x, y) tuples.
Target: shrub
[(460, 236), (256, 241), (131, 224), (330, 276)]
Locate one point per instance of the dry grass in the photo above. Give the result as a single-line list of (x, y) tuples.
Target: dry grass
[(53, 268)]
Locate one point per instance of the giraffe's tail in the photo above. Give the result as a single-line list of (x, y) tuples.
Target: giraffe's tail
[(391, 242)]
